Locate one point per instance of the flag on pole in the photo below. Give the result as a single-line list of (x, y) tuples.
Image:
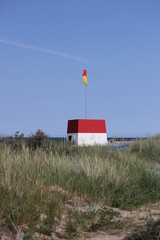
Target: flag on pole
[(84, 75)]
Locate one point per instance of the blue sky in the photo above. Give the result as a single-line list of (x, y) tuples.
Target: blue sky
[(44, 47)]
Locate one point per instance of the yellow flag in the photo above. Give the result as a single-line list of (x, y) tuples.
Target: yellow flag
[(84, 75), (85, 80)]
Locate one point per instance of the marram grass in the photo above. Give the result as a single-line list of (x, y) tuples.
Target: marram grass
[(124, 178)]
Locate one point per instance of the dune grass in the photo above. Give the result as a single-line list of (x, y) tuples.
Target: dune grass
[(123, 178)]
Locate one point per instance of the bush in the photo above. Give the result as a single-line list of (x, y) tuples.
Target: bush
[(38, 139)]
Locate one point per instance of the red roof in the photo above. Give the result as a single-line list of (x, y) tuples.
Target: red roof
[(86, 126)]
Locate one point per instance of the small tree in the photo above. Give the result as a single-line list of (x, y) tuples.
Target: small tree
[(38, 139)]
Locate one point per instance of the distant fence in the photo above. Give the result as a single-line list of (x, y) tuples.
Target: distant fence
[(63, 139), (110, 139), (125, 139), (58, 139)]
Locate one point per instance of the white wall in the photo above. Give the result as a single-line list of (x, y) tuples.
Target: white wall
[(92, 138), (89, 138)]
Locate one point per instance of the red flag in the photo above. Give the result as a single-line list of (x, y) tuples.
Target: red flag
[(84, 73)]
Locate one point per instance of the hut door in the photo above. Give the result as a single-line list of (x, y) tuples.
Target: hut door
[(70, 138)]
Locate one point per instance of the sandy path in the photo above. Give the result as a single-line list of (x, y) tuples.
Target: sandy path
[(104, 236), (130, 220), (123, 223)]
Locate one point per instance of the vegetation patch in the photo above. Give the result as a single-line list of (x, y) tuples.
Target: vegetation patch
[(151, 232), (47, 178)]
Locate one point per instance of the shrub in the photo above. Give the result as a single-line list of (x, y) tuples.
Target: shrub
[(38, 139)]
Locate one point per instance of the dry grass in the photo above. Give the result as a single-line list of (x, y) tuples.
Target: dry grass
[(124, 179)]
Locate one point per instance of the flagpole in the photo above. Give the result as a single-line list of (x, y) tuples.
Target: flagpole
[(86, 101)]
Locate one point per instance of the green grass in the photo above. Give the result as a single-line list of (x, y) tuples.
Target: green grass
[(124, 178)]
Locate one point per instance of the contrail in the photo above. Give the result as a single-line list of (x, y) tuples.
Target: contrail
[(50, 51), (54, 52)]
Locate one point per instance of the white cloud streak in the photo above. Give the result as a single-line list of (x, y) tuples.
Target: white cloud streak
[(53, 52), (50, 51)]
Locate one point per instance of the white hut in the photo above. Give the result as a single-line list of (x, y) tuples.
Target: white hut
[(87, 132)]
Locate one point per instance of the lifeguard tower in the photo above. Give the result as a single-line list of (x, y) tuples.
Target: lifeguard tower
[(87, 132)]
